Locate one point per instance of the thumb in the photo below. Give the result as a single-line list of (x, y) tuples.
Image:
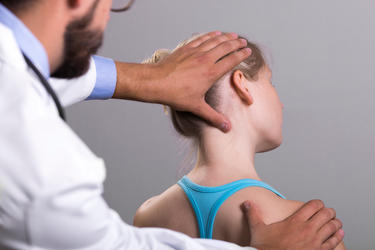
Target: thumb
[(213, 117), (253, 216)]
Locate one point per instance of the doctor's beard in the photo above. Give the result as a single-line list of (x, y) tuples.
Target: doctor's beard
[(79, 44)]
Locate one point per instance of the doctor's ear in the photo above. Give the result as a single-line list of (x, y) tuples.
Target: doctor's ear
[(239, 84), (79, 7), (73, 3)]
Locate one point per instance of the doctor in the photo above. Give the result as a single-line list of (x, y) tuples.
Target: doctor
[(51, 183)]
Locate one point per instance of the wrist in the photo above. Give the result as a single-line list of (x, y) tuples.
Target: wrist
[(138, 82)]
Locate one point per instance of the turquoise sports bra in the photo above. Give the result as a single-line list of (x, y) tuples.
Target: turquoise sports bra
[(206, 201)]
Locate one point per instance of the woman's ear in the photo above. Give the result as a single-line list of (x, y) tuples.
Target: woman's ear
[(238, 82)]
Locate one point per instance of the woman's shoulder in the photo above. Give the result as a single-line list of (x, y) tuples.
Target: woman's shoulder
[(230, 223), (144, 215), (167, 210), (273, 208), (151, 212)]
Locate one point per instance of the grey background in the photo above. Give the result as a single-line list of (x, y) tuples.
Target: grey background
[(322, 56)]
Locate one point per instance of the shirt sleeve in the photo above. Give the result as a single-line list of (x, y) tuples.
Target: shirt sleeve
[(99, 82), (106, 77)]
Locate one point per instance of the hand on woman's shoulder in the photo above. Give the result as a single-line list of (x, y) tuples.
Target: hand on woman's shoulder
[(274, 210)]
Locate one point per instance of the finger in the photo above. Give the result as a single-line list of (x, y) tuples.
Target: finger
[(322, 217), (215, 41), (334, 240), (329, 229), (216, 119), (307, 210), (253, 216), (226, 48), (228, 63), (201, 39)]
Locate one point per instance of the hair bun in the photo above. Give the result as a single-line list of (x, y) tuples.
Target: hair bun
[(158, 56)]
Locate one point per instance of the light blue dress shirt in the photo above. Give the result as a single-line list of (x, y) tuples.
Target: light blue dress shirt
[(106, 75)]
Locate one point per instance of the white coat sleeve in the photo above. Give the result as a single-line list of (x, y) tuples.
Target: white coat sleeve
[(51, 184), (77, 89)]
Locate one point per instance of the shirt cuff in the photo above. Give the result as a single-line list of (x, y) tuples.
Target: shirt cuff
[(106, 77)]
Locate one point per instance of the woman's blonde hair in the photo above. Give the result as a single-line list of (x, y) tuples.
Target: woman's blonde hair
[(190, 125)]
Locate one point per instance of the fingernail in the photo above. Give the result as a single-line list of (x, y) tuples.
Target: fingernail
[(248, 51), (233, 35), (246, 205), (341, 232), (243, 41), (218, 33), (224, 126)]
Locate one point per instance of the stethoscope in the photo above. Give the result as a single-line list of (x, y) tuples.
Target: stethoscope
[(47, 86)]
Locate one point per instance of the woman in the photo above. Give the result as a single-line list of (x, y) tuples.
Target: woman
[(206, 202)]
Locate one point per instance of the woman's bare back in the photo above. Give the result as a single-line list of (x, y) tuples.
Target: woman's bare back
[(172, 210)]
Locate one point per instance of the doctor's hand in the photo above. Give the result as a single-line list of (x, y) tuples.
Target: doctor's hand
[(312, 227), (182, 79)]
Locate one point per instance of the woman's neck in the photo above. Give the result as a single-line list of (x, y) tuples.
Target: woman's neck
[(225, 157)]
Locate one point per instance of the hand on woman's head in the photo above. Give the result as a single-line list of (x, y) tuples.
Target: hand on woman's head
[(250, 81)]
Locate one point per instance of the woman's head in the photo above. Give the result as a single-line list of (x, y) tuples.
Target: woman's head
[(245, 95)]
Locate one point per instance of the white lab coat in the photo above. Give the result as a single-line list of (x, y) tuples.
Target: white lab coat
[(50, 182)]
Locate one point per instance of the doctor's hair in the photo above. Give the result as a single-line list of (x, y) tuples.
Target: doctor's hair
[(18, 5), (190, 125)]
